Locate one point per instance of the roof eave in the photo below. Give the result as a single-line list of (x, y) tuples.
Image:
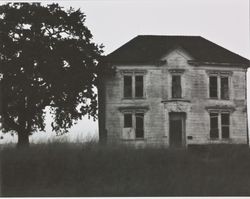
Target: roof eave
[(209, 63), (132, 63)]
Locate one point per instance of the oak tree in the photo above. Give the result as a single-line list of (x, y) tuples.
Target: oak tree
[(47, 58)]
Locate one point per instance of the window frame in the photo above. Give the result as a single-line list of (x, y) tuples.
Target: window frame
[(217, 87), (175, 92), (228, 88), (136, 85), (214, 129), (176, 72), (220, 125), (139, 115), (225, 125), (125, 125), (220, 75), (131, 89), (133, 75), (134, 122)]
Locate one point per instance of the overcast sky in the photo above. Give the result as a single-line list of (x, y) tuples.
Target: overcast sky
[(113, 23)]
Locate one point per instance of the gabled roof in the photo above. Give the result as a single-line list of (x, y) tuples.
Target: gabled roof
[(148, 48)]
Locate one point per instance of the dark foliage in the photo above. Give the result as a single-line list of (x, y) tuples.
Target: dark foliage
[(47, 58)]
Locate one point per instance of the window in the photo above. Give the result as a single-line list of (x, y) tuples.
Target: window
[(139, 86), (214, 130), (127, 120), (213, 93), (133, 86), (127, 86), (176, 86), (225, 125), (224, 88), (219, 88), (222, 130), (139, 130), (136, 122)]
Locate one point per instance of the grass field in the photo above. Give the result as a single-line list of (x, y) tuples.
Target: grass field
[(61, 169)]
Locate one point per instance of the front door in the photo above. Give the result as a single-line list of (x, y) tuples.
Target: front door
[(177, 129)]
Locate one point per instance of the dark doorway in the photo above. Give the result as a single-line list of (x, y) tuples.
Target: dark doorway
[(177, 129)]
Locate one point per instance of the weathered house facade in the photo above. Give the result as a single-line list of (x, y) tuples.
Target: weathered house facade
[(173, 91)]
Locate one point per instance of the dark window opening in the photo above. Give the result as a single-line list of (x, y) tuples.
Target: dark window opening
[(224, 88), (214, 130), (213, 87), (127, 86), (138, 86), (176, 86), (225, 132), (139, 129), (225, 125), (128, 120)]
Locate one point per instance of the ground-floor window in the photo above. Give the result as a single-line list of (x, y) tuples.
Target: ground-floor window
[(219, 125), (135, 121), (128, 120), (139, 125), (225, 123), (214, 127)]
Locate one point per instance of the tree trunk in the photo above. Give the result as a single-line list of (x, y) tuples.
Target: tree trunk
[(24, 129), (23, 139)]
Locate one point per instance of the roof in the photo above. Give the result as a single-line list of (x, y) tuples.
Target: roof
[(148, 48)]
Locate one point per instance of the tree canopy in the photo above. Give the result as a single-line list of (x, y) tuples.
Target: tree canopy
[(47, 58)]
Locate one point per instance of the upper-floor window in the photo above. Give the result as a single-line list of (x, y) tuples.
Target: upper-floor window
[(138, 86), (219, 125), (219, 87), (213, 87), (224, 88), (133, 86), (176, 86), (127, 86)]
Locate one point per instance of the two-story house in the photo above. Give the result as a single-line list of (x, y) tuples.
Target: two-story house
[(173, 91)]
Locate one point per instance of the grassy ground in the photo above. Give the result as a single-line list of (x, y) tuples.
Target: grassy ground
[(60, 169)]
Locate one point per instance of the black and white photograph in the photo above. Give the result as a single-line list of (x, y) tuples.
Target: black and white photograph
[(124, 98)]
